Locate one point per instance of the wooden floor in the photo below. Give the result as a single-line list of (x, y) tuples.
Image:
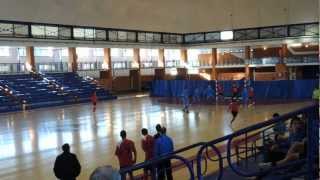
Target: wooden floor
[(30, 141)]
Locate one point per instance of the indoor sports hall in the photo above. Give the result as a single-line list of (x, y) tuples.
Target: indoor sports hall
[(171, 89)]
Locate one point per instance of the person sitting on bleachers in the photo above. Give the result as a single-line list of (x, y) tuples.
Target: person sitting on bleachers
[(279, 149)]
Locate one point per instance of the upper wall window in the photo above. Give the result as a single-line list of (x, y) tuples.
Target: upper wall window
[(226, 35), (44, 31), (78, 33)]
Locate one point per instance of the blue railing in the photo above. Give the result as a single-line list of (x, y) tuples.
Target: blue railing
[(256, 131)]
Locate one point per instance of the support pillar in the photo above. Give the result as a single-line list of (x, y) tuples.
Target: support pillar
[(182, 71), (214, 58), (184, 56), (135, 75), (247, 57), (73, 62), (283, 53), (282, 72), (30, 60), (106, 75), (160, 71), (161, 59)]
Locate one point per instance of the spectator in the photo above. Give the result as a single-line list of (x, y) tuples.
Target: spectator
[(158, 129), (279, 150), (105, 173), (147, 144), (279, 128), (126, 153), (66, 166), (163, 146)]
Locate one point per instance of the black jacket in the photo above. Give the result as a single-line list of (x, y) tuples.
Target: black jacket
[(67, 166)]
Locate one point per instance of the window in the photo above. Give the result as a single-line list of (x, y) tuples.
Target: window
[(226, 35), (22, 52), (100, 34), (6, 29), (4, 51), (64, 52), (122, 35), (172, 57), (38, 31), (21, 30), (83, 52), (98, 52), (43, 52), (78, 33), (89, 33), (64, 33), (149, 55), (51, 31)]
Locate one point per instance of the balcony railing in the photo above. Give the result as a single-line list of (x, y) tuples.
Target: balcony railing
[(52, 67), (302, 60), (172, 63)]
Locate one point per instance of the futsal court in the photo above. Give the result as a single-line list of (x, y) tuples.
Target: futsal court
[(31, 140)]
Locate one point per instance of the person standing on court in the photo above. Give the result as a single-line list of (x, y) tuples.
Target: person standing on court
[(235, 90), (126, 153), (234, 109), (147, 144), (94, 100), (163, 146), (67, 166)]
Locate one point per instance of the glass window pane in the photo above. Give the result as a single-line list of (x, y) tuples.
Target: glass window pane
[(141, 37), (226, 35), (78, 33), (64, 33), (51, 31), (122, 35), (100, 34), (157, 37), (89, 33), (38, 31), (6, 29), (149, 37), (43, 51), (98, 52), (131, 36), (113, 36)]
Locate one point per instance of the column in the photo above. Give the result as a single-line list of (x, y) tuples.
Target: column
[(182, 71), (281, 68), (73, 63), (135, 75), (30, 62), (283, 53), (184, 56), (106, 75), (161, 60), (160, 71), (247, 56), (214, 59)]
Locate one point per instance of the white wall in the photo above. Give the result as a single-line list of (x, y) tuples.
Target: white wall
[(164, 15)]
